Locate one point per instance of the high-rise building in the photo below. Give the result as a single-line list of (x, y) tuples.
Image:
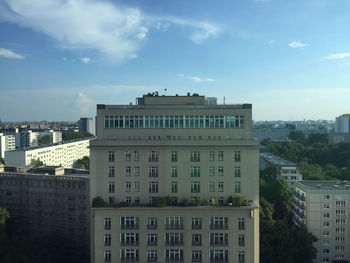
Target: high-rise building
[(323, 208), (167, 169), (7, 143), (87, 125), (342, 124)]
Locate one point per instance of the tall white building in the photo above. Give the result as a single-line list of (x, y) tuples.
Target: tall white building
[(7, 143), (87, 125), (58, 154), (323, 208), (342, 124), (192, 156)]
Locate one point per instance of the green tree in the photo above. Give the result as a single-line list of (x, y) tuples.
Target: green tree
[(4, 214), (2, 160), (297, 136), (45, 139), (317, 138), (37, 163), (68, 136), (83, 163)]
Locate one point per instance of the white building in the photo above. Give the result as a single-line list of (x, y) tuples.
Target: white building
[(7, 143), (323, 208), (58, 154), (87, 125), (342, 124)]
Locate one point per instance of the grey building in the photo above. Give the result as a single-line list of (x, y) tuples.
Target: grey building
[(87, 125)]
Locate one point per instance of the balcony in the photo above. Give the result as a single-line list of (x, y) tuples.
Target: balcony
[(195, 159), (296, 212), (174, 227), (152, 226), (300, 197), (196, 243), (218, 227), (219, 243), (153, 159), (129, 243), (129, 227), (300, 206), (197, 227), (174, 243), (152, 243)]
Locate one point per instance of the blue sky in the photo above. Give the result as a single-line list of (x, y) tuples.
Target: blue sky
[(59, 58)]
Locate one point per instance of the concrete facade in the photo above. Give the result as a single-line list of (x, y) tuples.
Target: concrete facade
[(87, 125), (7, 143), (323, 208), (183, 148)]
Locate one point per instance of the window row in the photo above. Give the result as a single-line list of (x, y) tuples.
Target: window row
[(174, 255), (174, 121), (173, 223), (154, 155)]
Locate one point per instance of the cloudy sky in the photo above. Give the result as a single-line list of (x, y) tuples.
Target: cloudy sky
[(59, 58)]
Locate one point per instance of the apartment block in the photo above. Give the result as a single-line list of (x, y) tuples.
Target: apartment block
[(7, 143), (287, 170), (189, 151), (323, 208), (57, 154)]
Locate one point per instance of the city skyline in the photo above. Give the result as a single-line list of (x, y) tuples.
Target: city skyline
[(58, 59)]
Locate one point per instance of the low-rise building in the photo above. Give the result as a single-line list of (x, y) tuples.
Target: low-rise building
[(57, 154), (287, 170), (323, 208)]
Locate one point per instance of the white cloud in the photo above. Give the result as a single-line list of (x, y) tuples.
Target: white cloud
[(272, 41), (180, 75), (7, 53), (115, 31), (338, 56), (85, 60), (83, 103), (348, 64), (198, 79), (298, 44)]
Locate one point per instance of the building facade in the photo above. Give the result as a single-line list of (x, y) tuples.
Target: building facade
[(287, 170), (50, 202), (57, 154), (189, 152), (7, 143), (87, 125), (342, 124), (323, 208)]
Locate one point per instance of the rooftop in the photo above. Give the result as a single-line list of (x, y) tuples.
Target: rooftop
[(328, 185), (276, 160)]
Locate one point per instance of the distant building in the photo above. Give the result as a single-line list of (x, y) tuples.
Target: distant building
[(87, 125), (57, 154), (50, 202), (342, 124), (287, 170), (7, 143), (339, 137), (323, 208)]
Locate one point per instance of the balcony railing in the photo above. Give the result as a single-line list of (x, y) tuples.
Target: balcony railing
[(301, 215), (152, 226), (196, 243), (153, 159), (152, 243), (175, 243), (219, 243), (131, 227), (300, 206), (300, 197), (129, 243), (199, 226), (174, 227), (218, 227)]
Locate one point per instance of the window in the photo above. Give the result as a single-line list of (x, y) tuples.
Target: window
[(137, 170), (173, 171), (218, 255), (108, 239), (326, 242), (340, 230), (196, 239), (221, 155), (127, 199), (129, 255), (107, 223), (111, 199), (108, 256), (153, 156), (196, 223), (151, 239), (212, 186), (137, 200), (127, 170), (151, 223), (174, 222), (325, 260), (196, 256), (237, 171), (218, 239), (174, 255), (153, 171), (326, 205), (340, 239), (221, 171), (326, 223), (219, 223), (220, 186), (111, 171), (127, 156), (174, 239), (174, 200), (241, 224), (326, 215), (237, 187), (195, 171), (340, 221), (129, 222), (340, 203), (237, 156), (173, 156), (110, 156), (195, 156), (326, 233), (136, 155), (127, 186), (152, 256), (326, 251), (211, 171), (111, 187), (241, 240), (137, 186), (153, 187), (221, 200), (241, 257), (195, 187), (174, 187), (339, 248), (211, 156), (340, 213), (326, 197)]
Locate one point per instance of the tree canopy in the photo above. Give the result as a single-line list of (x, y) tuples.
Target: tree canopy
[(68, 136), (45, 139), (83, 163)]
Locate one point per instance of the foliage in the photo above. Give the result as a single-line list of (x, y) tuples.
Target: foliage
[(297, 136), (161, 201), (4, 214), (238, 200), (68, 136), (37, 163), (2, 160), (317, 138), (46, 139), (83, 163), (99, 202)]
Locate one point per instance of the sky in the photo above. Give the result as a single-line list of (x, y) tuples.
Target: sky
[(59, 58)]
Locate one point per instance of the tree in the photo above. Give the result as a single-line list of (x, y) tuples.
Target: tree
[(83, 163), (4, 214), (37, 163), (2, 160), (45, 139), (317, 138), (68, 136), (297, 136)]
